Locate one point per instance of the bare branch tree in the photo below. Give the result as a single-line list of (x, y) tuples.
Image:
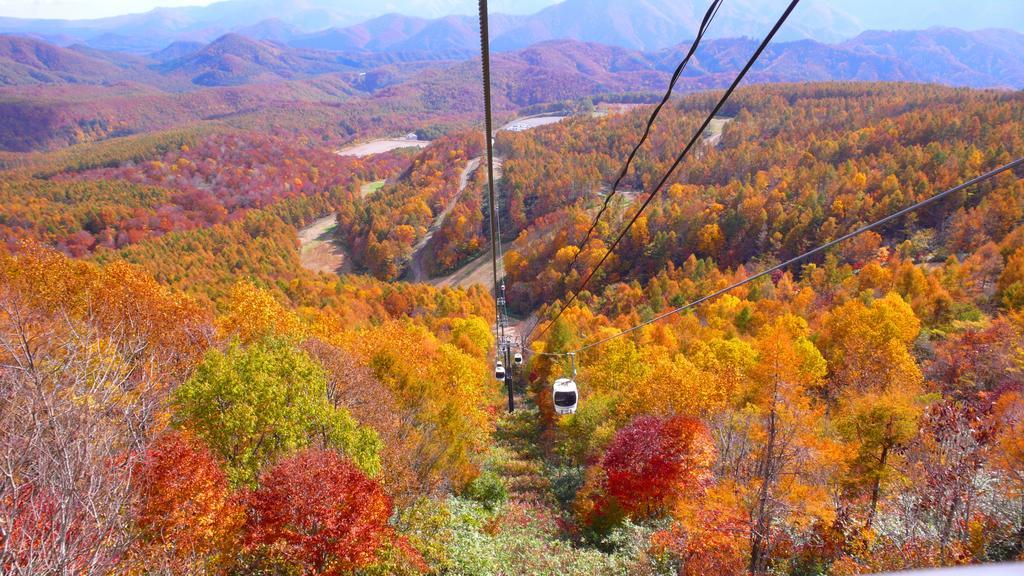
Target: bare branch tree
[(79, 395)]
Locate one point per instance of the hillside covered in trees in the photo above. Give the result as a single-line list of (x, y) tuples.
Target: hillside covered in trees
[(179, 395), (853, 414)]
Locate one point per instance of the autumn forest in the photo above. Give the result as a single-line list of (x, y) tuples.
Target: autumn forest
[(182, 393)]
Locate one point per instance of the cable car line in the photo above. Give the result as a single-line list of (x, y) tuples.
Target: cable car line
[(709, 17), (485, 58), (503, 352), (486, 69), (679, 159), (914, 207)]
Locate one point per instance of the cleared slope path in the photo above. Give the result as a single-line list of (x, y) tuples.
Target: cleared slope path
[(417, 273)]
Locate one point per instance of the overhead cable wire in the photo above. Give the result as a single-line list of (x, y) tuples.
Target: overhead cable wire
[(817, 250), (709, 16), (678, 160)]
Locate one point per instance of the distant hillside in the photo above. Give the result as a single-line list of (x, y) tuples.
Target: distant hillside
[(233, 60), (657, 24), (29, 61), (652, 25), (988, 58), (638, 25), (943, 56), (377, 34), (176, 50), (950, 56), (273, 29)]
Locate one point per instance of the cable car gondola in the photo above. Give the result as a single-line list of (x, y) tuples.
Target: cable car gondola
[(518, 358), (499, 371), (564, 395)]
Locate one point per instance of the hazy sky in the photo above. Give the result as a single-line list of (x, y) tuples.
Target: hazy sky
[(78, 9), (74, 9)]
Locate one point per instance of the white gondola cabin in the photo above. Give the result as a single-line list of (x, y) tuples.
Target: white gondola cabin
[(518, 358), (564, 396), (499, 371)]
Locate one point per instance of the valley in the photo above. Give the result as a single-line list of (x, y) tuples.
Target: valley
[(53, 96), (383, 303)]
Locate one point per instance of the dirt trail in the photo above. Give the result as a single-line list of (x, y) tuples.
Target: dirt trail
[(416, 271), (476, 271), (713, 135), (518, 436), (319, 251)]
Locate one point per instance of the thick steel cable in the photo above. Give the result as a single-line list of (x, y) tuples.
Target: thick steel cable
[(678, 161), (485, 56), (803, 256), (499, 295)]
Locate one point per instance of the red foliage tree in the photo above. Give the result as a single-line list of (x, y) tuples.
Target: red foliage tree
[(653, 462), (29, 527), (320, 512)]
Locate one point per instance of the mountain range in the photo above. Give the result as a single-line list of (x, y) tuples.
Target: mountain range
[(51, 96), (392, 50), (647, 25)]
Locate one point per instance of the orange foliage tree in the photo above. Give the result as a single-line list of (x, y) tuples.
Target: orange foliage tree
[(185, 512)]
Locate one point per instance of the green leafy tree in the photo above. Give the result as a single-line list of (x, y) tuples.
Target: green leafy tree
[(878, 425), (252, 404)]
